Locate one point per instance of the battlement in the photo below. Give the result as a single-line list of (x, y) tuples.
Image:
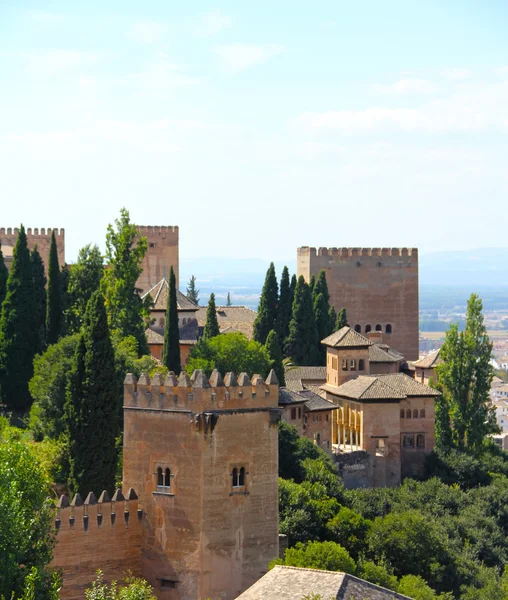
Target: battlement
[(198, 393), (357, 252), (33, 233), (93, 514), (150, 230)]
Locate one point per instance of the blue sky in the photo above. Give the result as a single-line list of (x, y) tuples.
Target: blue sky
[(258, 127)]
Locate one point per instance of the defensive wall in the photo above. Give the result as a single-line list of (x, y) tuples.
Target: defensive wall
[(161, 254), (377, 286), (35, 237)]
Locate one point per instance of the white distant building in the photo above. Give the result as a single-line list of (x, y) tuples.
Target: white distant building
[(502, 414)]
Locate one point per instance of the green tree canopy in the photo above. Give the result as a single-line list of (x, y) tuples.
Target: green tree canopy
[(192, 292), (321, 315), (17, 335), (319, 555), (229, 352), (54, 297), (39, 316), (464, 414), (171, 349), (133, 588), (321, 287), (284, 308), (84, 279), (273, 349), (128, 314), (4, 275), (26, 521), (93, 406), (212, 324), (266, 316), (341, 320), (302, 342)]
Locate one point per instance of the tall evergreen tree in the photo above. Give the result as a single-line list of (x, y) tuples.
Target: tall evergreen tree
[(228, 301), (273, 348), (16, 330), (4, 275), (65, 275), (321, 287), (321, 309), (312, 284), (128, 313), (341, 319), (267, 311), (171, 349), (301, 344), (212, 324), (93, 405), (54, 297), (284, 308), (84, 280), (332, 319), (192, 292), (464, 377), (39, 316)]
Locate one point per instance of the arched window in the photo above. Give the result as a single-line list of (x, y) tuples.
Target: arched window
[(358, 328), (235, 477), (241, 477), (167, 478), (352, 365), (361, 365), (163, 480), (368, 328), (408, 413), (402, 413), (160, 477), (388, 328), (378, 327), (420, 440), (415, 413), (422, 413)]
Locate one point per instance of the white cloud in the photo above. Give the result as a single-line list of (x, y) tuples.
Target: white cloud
[(237, 57), (457, 73), (477, 109), (406, 86), (53, 61), (147, 32), (213, 22)]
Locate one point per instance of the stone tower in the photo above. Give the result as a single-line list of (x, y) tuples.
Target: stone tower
[(377, 286), (36, 237), (161, 255), (203, 457)]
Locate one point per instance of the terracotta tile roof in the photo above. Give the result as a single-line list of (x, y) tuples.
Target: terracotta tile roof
[(315, 403), (381, 353), (288, 397), (366, 387), (231, 319), (346, 337), (159, 294), (188, 334), (428, 362), (292, 583), (299, 378), (407, 385)]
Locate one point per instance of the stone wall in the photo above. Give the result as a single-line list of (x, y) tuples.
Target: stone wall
[(35, 237), (161, 255), (375, 285)]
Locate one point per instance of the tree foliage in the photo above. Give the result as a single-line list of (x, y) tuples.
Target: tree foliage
[(321, 315), (229, 352), (192, 292), (465, 414), (17, 335), (266, 316), (211, 329), (4, 275), (302, 342), (319, 555), (273, 350), (39, 316), (54, 298), (171, 349), (128, 313), (133, 588), (284, 308), (341, 320), (93, 405), (84, 280)]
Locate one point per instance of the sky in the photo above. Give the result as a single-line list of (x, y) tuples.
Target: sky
[(258, 127)]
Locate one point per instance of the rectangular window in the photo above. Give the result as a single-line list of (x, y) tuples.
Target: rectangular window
[(168, 584), (352, 364), (299, 412), (293, 414), (408, 440), (344, 364)]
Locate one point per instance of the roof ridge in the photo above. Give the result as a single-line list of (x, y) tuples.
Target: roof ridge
[(320, 571)]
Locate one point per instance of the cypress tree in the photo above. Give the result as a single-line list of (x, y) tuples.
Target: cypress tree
[(39, 317), (228, 301), (4, 275), (54, 298), (312, 284), (292, 288), (321, 316), (284, 309), (302, 341), (16, 330), (341, 319), (332, 319), (192, 292), (93, 405), (212, 325), (171, 350), (267, 312), (273, 349), (321, 287)]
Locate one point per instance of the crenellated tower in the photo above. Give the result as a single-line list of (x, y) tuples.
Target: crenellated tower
[(202, 455), (34, 237), (161, 254)]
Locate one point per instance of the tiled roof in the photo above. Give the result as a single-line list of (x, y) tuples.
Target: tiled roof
[(231, 319), (292, 583), (407, 385), (366, 387), (288, 397), (188, 334), (154, 336), (383, 354), (316, 403), (346, 337), (299, 378), (430, 361), (159, 295)]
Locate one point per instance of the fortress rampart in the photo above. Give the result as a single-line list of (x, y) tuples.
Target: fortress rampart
[(377, 286), (161, 255), (35, 237)]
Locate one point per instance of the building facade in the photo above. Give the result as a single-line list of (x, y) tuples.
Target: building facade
[(161, 255)]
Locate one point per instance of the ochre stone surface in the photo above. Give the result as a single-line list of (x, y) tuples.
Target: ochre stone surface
[(377, 286), (161, 255), (35, 237)]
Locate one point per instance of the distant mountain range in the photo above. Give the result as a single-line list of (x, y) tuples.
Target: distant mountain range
[(446, 278)]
